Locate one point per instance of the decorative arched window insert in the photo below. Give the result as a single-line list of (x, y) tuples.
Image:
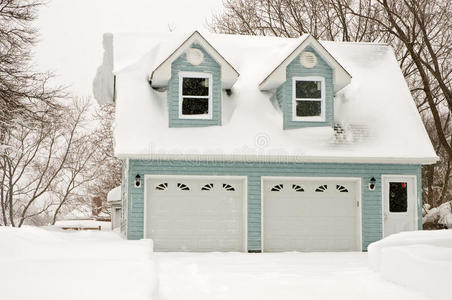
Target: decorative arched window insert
[(341, 188), (183, 186), (207, 187), (228, 187), (321, 188), (162, 186), (277, 188), (297, 188)]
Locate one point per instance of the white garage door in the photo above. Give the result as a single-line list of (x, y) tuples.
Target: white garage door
[(310, 215), (196, 213)]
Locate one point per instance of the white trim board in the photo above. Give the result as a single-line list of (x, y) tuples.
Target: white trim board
[(245, 198), (356, 180)]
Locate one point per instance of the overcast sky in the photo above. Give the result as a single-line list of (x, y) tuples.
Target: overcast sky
[(71, 31)]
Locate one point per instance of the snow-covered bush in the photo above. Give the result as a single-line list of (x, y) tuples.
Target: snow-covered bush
[(441, 215)]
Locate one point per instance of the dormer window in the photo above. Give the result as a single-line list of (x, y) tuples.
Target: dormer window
[(308, 103), (195, 95)]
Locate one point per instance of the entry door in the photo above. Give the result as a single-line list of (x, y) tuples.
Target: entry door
[(400, 205)]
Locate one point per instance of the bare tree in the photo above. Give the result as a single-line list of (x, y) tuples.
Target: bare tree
[(108, 166), (324, 19), (50, 163), (20, 86), (418, 30), (42, 159)]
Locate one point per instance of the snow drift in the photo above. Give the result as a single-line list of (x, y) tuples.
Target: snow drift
[(52, 264), (420, 260)]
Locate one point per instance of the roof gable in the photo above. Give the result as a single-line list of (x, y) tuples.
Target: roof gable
[(162, 73), (341, 77)]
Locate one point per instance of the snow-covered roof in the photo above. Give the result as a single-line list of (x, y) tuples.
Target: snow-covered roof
[(376, 112), (114, 195)]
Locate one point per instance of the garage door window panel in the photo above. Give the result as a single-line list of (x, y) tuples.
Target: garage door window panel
[(183, 187), (228, 187), (162, 186), (341, 188), (207, 187), (277, 188), (297, 188), (321, 188)]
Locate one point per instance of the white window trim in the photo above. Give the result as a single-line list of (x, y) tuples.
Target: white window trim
[(207, 116), (320, 118)]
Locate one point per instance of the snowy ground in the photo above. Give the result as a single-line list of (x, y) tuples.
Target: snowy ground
[(273, 276), (54, 264)]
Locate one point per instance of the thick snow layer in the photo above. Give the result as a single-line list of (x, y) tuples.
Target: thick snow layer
[(114, 195), (38, 263), (270, 276), (419, 260), (376, 110), (83, 224), (439, 238), (420, 267)]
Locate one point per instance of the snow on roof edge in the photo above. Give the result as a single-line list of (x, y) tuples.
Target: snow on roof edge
[(114, 195), (284, 159)]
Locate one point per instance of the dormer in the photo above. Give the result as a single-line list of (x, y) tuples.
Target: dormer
[(305, 83), (194, 75)]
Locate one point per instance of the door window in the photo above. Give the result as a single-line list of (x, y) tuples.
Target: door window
[(398, 197)]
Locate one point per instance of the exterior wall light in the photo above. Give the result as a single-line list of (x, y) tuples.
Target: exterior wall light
[(372, 184), (138, 181)]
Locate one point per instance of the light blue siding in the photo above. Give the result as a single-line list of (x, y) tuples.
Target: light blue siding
[(209, 65), (285, 92), (371, 200)]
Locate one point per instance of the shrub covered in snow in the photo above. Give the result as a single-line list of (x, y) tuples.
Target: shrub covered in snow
[(441, 215)]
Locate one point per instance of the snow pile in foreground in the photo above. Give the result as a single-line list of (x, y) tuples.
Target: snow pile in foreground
[(51, 264), (421, 260)]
